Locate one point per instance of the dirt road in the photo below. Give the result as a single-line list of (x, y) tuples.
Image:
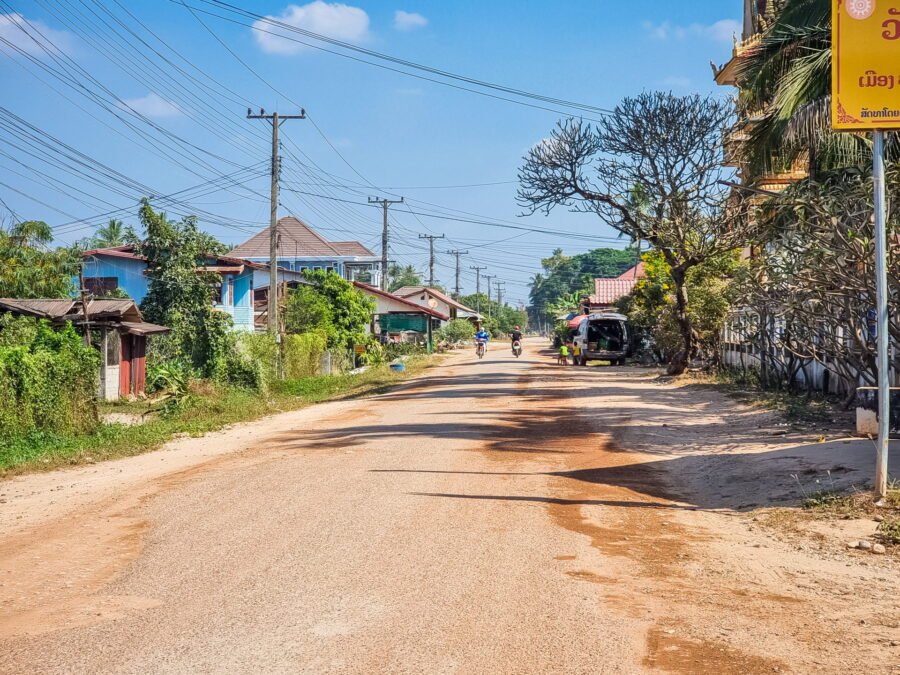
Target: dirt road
[(501, 516)]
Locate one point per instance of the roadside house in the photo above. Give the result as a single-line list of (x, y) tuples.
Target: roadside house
[(123, 337), (301, 248), (396, 317), (438, 301), (238, 285), (609, 290)]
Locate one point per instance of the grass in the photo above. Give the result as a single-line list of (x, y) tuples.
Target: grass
[(204, 413)]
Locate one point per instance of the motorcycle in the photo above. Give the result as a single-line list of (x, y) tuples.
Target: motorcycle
[(517, 349), (480, 346)]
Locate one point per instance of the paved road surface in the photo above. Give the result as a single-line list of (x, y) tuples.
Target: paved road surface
[(454, 525)]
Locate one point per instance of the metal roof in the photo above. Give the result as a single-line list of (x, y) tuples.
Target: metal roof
[(409, 291), (123, 313)]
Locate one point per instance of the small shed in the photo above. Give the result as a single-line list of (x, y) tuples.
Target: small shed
[(123, 337)]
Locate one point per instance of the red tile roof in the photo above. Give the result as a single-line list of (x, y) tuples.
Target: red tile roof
[(298, 239), (608, 291), (639, 271), (352, 248)]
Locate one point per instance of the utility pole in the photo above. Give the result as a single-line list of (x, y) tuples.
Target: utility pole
[(276, 120), (477, 286), (457, 253), (489, 278), (499, 285), (385, 203), (431, 238)]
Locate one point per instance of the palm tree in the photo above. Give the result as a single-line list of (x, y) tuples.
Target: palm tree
[(112, 234), (785, 85)]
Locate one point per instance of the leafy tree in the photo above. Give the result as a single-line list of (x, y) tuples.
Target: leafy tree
[(181, 297), (455, 331), (29, 269), (351, 311), (307, 310), (565, 276), (114, 233), (713, 290), (403, 276), (651, 170)]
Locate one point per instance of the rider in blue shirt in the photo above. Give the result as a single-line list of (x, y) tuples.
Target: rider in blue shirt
[(483, 335)]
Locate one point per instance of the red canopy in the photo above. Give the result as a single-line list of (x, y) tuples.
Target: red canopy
[(576, 322)]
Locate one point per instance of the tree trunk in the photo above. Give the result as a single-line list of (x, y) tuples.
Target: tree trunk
[(680, 361)]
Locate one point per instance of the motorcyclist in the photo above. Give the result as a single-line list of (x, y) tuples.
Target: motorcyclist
[(482, 335), (516, 336)]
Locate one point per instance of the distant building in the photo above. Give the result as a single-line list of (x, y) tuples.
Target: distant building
[(301, 248), (396, 317), (609, 290), (438, 301)]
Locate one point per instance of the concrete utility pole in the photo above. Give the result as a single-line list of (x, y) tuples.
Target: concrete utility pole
[(477, 286), (385, 203), (489, 278), (431, 238), (500, 285), (276, 120), (457, 253)]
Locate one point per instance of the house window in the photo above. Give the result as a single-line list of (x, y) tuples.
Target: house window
[(101, 286)]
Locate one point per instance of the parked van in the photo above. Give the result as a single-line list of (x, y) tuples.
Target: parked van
[(603, 337)]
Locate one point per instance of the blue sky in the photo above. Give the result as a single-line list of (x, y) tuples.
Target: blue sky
[(406, 136)]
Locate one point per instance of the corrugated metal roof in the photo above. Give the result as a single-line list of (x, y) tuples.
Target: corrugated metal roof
[(71, 310), (409, 291), (45, 309), (403, 301)]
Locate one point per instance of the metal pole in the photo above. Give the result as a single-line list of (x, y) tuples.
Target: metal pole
[(884, 338)]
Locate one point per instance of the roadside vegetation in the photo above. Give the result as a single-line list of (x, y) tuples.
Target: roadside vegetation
[(201, 376), (205, 407)]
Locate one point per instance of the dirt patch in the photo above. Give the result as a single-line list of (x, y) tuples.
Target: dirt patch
[(673, 654)]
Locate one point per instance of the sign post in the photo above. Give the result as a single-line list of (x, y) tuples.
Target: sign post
[(865, 96)]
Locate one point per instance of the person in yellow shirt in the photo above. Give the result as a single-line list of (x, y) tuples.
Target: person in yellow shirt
[(563, 358)]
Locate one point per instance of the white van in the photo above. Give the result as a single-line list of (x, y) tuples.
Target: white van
[(603, 337)]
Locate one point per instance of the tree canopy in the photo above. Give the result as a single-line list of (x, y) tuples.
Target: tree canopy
[(29, 268)]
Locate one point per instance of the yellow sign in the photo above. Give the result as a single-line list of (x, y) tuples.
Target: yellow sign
[(865, 71)]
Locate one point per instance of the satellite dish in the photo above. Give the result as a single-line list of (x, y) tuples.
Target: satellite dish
[(432, 303)]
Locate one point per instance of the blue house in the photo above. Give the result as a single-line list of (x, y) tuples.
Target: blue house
[(301, 248), (107, 269)]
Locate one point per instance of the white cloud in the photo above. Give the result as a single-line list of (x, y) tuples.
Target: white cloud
[(409, 20), (334, 20), (13, 28), (720, 31), (153, 105)]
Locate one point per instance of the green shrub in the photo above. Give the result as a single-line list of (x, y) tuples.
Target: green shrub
[(303, 354), (48, 379), (393, 350), (457, 330)]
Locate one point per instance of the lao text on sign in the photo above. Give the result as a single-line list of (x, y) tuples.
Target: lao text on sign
[(865, 73)]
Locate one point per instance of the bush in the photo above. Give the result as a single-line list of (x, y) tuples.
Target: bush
[(457, 330), (303, 354), (394, 350), (48, 379)]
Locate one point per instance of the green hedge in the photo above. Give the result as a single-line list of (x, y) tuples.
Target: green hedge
[(48, 380)]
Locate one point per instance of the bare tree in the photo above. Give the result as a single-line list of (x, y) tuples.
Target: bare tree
[(651, 169)]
